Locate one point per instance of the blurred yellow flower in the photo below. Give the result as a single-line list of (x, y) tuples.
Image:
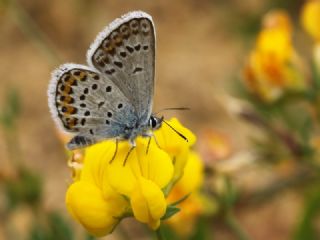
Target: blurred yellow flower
[(316, 56), (310, 18), (104, 193), (214, 146), (273, 66)]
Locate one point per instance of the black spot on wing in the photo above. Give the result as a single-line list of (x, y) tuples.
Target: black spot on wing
[(137, 69)]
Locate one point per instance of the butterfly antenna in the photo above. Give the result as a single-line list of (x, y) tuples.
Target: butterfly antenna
[(177, 108), (175, 130)]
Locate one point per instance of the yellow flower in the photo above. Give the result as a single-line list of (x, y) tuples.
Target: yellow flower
[(214, 146), (175, 145), (106, 192), (273, 66), (316, 56), (196, 203), (310, 18)]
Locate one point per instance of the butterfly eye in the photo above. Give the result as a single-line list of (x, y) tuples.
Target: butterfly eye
[(153, 122)]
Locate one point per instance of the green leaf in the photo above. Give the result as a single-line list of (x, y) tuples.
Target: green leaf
[(306, 228), (316, 75), (89, 237), (59, 228), (168, 232), (54, 227), (27, 188), (180, 200), (171, 210), (38, 233), (11, 110), (201, 231), (229, 196)]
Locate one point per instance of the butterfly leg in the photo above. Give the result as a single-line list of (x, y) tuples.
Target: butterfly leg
[(150, 135), (115, 152), (149, 141), (155, 139), (133, 145)]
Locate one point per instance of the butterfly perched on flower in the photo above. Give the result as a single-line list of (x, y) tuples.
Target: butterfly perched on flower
[(111, 98)]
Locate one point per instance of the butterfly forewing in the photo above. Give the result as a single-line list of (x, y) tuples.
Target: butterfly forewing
[(125, 53)]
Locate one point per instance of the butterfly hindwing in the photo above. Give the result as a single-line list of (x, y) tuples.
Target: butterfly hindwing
[(86, 103), (125, 53)]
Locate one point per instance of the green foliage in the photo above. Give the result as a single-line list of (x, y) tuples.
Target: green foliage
[(247, 26), (316, 76), (89, 237), (306, 228), (201, 231), (229, 196), (11, 110), (168, 232), (171, 210), (54, 227), (25, 188)]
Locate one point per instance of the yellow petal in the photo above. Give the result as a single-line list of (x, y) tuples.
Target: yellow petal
[(170, 141), (109, 176), (275, 45), (180, 163), (311, 18), (87, 205), (156, 165), (193, 175), (96, 160), (119, 175), (148, 203), (175, 145)]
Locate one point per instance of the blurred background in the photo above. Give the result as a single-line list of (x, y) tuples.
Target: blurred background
[(202, 62)]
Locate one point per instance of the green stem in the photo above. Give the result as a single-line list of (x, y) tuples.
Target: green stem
[(159, 234), (236, 228)]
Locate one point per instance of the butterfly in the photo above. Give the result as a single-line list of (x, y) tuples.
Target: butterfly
[(112, 97)]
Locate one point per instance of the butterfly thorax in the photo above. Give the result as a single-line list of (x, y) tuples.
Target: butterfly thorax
[(131, 133), (144, 130)]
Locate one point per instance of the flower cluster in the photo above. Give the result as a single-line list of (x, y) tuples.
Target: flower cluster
[(104, 192), (274, 67)]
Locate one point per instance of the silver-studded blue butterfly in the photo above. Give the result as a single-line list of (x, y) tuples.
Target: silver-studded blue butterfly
[(111, 98)]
